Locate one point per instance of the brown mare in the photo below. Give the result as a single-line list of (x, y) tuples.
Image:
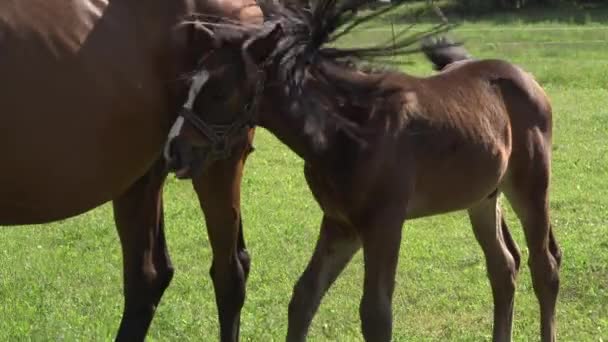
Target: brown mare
[(88, 92), (382, 147)]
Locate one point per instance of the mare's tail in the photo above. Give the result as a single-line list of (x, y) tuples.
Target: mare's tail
[(442, 52)]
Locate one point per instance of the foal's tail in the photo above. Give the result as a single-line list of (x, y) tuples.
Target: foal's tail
[(442, 52)]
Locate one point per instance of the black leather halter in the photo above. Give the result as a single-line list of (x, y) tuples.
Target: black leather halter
[(224, 136)]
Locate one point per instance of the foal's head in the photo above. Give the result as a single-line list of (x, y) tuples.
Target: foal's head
[(220, 104)]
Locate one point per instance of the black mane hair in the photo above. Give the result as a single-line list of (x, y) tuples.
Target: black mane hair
[(306, 49), (308, 32)]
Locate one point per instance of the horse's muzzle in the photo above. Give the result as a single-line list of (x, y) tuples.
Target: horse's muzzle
[(184, 159)]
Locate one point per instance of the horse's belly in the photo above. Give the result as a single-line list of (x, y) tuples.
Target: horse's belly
[(456, 182), (37, 193), (48, 204), (51, 172)]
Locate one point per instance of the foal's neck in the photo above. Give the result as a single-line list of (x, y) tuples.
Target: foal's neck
[(291, 130), (315, 141)]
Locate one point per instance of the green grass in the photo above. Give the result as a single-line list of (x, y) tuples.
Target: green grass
[(64, 280)]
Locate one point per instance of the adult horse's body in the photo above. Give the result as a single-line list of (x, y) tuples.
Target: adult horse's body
[(381, 147), (88, 92)]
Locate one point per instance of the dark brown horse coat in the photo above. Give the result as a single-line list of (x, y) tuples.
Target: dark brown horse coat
[(383, 147), (88, 92)]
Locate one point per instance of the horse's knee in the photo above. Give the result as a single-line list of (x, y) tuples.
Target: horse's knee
[(511, 244), (155, 281), (164, 277), (545, 272), (557, 255), (245, 260), (229, 282), (503, 280), (554, 248)]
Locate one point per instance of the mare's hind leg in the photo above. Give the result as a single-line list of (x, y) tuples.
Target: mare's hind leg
[(335, 247), (219, 193), (147, 268), (527, 189), (502, 262), (381, 243)]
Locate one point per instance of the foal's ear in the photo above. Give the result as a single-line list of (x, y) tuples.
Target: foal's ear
[(258, 48), (192, 37)]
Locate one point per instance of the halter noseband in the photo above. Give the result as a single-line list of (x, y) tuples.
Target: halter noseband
[(220, 135)]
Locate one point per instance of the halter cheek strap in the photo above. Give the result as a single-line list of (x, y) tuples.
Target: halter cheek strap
[(218, 134)]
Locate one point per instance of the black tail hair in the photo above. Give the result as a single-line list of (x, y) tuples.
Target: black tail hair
[(443, 52)]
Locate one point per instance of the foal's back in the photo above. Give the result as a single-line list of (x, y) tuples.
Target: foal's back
[(466, 127)]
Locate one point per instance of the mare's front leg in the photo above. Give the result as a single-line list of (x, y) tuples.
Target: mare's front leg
[(219, 193), (335, 247), (147, 268)]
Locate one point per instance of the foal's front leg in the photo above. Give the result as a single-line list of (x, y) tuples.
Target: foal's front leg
[(219, 193), (381, 243), (147, 268), (335, 247)]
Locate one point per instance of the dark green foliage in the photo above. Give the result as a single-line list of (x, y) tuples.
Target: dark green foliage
[(482, 6)]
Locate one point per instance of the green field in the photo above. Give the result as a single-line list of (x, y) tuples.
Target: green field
[(63, 281)]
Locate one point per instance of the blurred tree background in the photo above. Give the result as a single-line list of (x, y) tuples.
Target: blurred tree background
[(488, 5), (514, 4)]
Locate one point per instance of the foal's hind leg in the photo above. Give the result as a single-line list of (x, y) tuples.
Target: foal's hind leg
[(147, 268), (532, 207), (527, 188), (502, 262), (335, 247)]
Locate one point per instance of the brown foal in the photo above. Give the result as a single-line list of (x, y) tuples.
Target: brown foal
[(383, 147)]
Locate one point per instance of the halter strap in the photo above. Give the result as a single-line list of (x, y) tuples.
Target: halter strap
[(219, 134)]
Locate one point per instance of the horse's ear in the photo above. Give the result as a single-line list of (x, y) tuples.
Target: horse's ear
[(258, 48), (194, 38)]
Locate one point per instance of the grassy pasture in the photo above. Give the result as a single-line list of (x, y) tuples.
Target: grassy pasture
[(63, 281)]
